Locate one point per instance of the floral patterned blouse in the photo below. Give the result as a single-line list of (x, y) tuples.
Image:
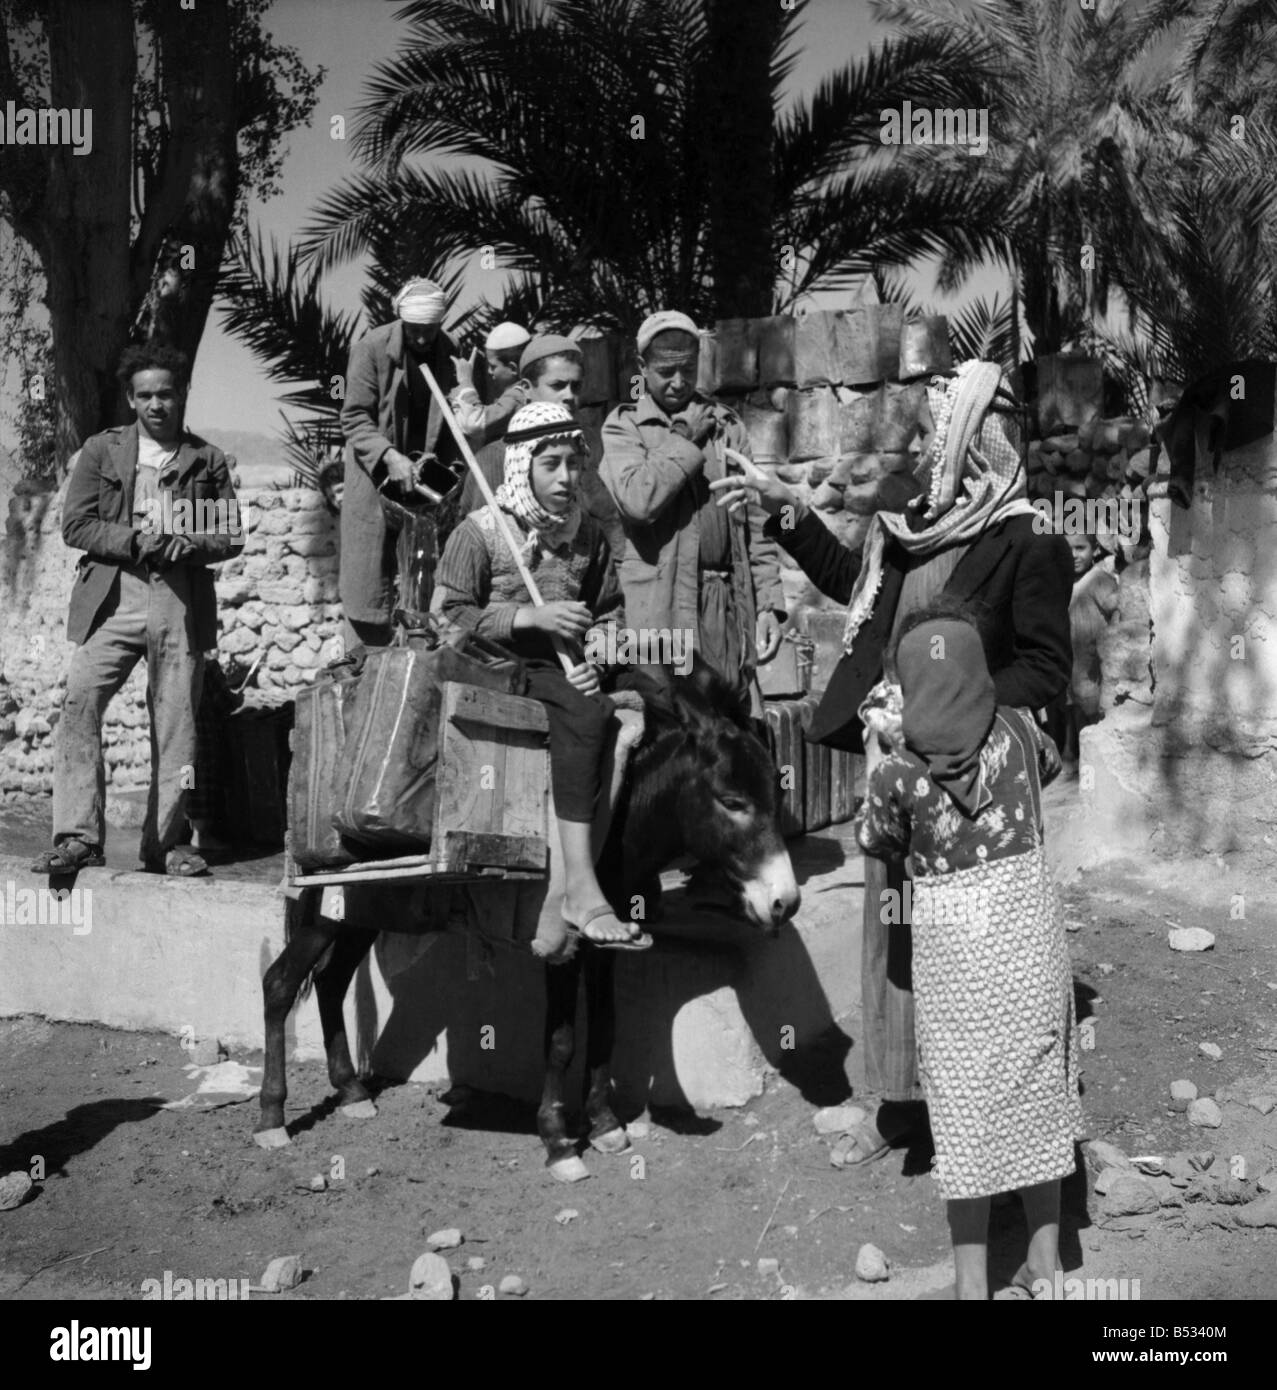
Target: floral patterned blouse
[(905, 812)]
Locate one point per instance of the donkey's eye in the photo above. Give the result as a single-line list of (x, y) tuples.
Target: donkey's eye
[(733, 803)]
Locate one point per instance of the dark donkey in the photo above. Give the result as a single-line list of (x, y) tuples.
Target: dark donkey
[(700, 783)]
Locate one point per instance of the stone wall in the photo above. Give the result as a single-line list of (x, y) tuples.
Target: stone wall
[(277, 601), (1185, 760)]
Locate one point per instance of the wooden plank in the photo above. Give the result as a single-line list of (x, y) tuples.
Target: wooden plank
[(493, 707), (375, 872), (462, 849)]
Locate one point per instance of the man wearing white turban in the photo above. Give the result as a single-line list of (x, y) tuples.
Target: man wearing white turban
[(387, 416)]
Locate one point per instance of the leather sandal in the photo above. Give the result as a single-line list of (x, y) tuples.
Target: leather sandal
[(68, 856)]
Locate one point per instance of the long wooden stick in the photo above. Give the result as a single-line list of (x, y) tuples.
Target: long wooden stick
[(534, 593)]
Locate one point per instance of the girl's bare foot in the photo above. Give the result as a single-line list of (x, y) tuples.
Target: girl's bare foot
[(1026, 1277)]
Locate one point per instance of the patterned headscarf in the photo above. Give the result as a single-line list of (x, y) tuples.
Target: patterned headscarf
[(976, 481), (532, 427)]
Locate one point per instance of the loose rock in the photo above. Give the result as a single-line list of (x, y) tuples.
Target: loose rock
[(871, 1265), (14, 1189), (1182, 1094), (1191, 939), (1265, 1104), (1211, 1050), (283, 1272), (1105, 1179), (639, 1129), (476, 1263), (1202, 1161), (1130, 1195), (837, 1119), (1205, 1114), (431, 1279), (1105, 1155), (1262, 1212), (1105, 968), (566, 1215), (1268, 1183), (319, 1183), (447, 1239), (512, 1285), (768, 1267)]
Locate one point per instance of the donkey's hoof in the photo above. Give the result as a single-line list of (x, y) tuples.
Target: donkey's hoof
[(615, 1141), (569, 1169), (360, 1110), (272, 1138)]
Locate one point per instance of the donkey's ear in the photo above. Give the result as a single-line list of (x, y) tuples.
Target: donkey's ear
[(706, 687)]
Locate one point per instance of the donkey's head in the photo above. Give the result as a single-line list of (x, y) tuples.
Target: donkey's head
[(704, 784)]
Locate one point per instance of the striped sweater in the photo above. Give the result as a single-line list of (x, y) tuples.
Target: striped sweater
[(479, 587)]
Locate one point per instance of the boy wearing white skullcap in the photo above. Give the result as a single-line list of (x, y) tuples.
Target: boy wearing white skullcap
[(484, 424)]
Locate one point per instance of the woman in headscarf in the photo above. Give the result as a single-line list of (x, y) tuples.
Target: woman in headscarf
[(967, 534), (996, 1032), (479, 587)]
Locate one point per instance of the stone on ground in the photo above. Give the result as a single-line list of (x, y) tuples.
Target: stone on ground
[(871, 1265), (566, 1215), (1211, 1050), (476, 1263), (1191, 939), (1130, 1195), (1262, 1212), (1268, 1183), (1264, 1103), (1105, 1155), (1182, 1093), (431, 1279), (768, 1267), (447, 1239), (837, 1119), (1202, 1161), (319, 1183), (14, 1189), (638, 1129), (283, 1272), (513, 1285), (1205, 1114)]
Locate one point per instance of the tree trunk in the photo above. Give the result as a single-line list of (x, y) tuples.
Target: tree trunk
[(81, 226), (739, 133)]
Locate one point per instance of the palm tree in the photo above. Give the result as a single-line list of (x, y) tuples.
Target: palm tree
[(1114, 179), (608, 173)]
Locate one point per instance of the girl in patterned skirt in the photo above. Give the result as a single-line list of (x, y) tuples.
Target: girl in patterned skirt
[(996, 1033)]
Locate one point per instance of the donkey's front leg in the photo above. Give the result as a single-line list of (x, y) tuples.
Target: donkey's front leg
[(331, 984), (561, 983), (308, 934), (607, 1133)]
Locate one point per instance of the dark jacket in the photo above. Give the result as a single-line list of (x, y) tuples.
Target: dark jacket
[(374, 418), (1019, 582), (97, 517)]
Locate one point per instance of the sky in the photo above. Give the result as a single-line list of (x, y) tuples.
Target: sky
[(348, 38)]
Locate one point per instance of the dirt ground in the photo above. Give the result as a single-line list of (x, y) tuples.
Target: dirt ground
[(132, 1190)]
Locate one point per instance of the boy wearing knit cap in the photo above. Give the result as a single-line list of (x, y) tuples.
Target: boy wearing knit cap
[(501, 349), (686, 563)]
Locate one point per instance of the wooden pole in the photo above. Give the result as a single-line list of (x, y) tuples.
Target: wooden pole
[(534, 593)]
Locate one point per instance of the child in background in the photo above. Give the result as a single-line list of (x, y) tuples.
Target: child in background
[(480, 588), (1091, 608), (994, 993), (482, 424)]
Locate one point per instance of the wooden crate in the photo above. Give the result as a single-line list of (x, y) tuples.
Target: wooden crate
[(492, 787), (493, 781)]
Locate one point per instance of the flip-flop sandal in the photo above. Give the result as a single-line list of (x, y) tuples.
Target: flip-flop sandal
[(641, 942), (867, 1150), (180, 862), (67, 856)]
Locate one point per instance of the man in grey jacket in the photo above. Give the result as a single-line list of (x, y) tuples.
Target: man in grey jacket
[(152, 506)]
